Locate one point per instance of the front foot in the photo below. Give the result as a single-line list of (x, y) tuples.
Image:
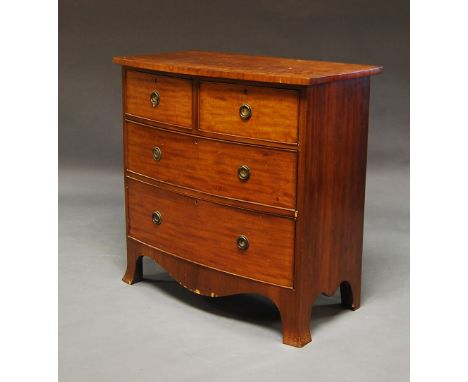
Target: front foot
[(296, 335), (295, 319), (134, 272)]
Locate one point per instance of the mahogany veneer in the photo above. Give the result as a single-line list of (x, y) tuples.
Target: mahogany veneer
[(175, 107), (275, 118), (246, 174), (210, 166)]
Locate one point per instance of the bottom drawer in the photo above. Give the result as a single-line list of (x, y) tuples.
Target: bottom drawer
[(211, 234)]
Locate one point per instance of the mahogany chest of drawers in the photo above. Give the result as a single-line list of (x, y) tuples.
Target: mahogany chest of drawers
[(246, 174)]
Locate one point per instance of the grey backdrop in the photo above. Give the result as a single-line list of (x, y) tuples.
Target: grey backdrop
[(108, 330)]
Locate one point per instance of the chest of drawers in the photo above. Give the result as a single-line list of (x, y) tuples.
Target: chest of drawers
[(246, 174)]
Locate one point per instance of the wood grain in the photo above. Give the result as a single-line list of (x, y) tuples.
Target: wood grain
[(218, 199), (176, 98), (274, 111), (248, 67), (206, 234), (211, 165), (209, 134)]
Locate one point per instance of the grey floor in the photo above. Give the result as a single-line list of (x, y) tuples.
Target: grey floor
[(157, 331)]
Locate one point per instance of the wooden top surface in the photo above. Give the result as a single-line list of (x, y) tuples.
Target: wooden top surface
[(248, 67)]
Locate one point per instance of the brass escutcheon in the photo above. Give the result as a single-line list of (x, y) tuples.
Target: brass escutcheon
[(243, 172), (245, 111), (156, 217), (155, 98), (242, 243), (157, 153)]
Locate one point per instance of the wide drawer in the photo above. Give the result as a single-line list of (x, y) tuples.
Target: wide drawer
[(255, 112), (210, 234), (212, 166), (159, 98)]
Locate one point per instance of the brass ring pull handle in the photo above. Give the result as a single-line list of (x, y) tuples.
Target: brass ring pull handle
[(157, 153), (243, 172), (156, 217), (155, 98), (242, 243), (245, 111)]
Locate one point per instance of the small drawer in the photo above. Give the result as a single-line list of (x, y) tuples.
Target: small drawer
[(260, 175), (159, 98), (255, 112), (256, 246)]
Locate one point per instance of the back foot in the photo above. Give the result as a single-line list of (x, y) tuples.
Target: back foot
[(350, 294)]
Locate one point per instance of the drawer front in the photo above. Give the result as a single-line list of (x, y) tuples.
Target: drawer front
[(208, 233), (267, 114), (213, 166), (159, 98)]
